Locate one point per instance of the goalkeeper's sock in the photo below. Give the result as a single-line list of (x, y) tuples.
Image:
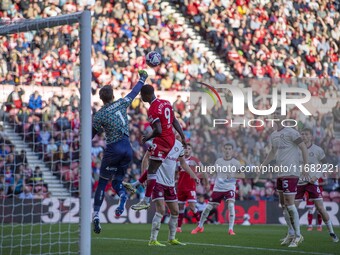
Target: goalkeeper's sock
[(99, 195)]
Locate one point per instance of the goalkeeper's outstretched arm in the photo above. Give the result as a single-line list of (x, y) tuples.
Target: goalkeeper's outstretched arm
[(143, 75)]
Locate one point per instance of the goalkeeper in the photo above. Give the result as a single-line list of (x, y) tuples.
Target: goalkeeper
[(112, 118)]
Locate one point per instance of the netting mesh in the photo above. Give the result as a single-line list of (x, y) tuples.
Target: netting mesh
[(39, 139)]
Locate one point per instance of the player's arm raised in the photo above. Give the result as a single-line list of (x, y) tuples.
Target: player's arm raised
[(143, 75), (179, 129), (187, 169)]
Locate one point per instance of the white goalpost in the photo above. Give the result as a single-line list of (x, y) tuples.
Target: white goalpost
[(57, 224)]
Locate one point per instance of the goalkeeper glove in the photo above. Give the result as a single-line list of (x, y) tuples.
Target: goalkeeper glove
[(143, 75)]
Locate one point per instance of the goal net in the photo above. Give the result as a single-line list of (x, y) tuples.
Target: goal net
[(45, 200)]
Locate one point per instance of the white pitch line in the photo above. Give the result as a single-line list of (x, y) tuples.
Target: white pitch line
[(224, 246)]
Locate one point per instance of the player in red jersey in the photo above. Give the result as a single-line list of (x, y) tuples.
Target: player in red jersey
[(186, 186), (162, 119)]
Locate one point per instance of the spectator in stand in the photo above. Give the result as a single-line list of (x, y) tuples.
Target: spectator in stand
[(245, 189), (26, 194), (37, 177), (179, 105), (35, 102), (14, 100)]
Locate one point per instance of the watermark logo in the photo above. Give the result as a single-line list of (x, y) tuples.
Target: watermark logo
[(288, 96), (211, 91), (248, 105)]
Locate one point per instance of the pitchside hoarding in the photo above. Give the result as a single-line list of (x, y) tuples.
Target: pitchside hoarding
[(53, 210)]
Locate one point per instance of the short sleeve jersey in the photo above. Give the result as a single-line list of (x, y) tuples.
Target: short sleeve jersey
[(162, 110)]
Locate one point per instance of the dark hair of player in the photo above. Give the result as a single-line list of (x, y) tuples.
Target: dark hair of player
[(307, 130), (229, 144), (148, 93), (106, 94), (147, 90)]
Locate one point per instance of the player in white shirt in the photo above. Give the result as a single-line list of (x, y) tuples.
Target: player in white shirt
[(224, 188), (316, 156), (286, 145), (164, 191)]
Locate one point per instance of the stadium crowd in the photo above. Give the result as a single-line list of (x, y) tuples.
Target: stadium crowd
[(122, 33), (17, 178), (268, 42), (258, 39), (271, 39)]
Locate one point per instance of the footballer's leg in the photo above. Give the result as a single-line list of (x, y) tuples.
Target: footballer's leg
[(173, 207), (192, 206), (120, 190), (325, 216), (105, 176), (310, 218), (204, 216), (291, 233), (118, 179), (294, 215), (319, 221), (98, 200), (181, 205), (132, 186), (215, 200), (156, 222), (151, 182), (231, 209), (158, 198), (310, 206)]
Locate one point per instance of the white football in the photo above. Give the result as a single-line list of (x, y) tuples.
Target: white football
[(153, 58)]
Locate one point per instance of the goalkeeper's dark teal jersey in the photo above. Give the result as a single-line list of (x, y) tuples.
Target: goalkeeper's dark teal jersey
[(113, 119)]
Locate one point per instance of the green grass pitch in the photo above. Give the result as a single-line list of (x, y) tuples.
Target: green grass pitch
[(132, 239), (252, 240)]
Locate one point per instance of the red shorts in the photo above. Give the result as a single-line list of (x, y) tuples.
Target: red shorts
[(160, 148), (288, 185), (164, 192), (314, 192), (186, 195), (217, 196)]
